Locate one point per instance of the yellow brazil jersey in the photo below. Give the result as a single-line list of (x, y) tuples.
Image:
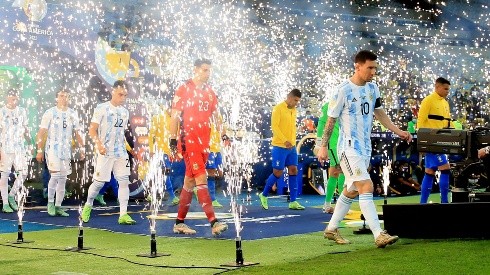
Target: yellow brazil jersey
[(283, 124), (159, 133), (432, 109)]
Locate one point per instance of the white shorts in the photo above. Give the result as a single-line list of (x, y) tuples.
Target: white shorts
[(105, 165), (355, 168), (56, 164), (20, 161)]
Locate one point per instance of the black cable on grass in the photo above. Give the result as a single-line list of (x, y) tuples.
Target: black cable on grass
[(223, 269)]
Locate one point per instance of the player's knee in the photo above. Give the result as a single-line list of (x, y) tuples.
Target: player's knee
[(123, 181), (292, 170), (59, 174), (98, 184), (277, 173)]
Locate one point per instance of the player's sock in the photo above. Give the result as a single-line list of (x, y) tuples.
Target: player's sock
[(269, 183), (426, 187), (340, 183), (368, 209), (293, 187), (444, 185), (60, 189), (331, 186), (93, 191), (341, 209), (185, 203), (205, 201), (123, 195)]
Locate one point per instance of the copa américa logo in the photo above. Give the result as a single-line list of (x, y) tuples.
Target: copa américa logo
[(35, 10)]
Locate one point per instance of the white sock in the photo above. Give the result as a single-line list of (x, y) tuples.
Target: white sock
[(341, 209), (60, 190), (123, 196), (93, 191), (4, 188), (19, 181), (53, 181), (368, 209)]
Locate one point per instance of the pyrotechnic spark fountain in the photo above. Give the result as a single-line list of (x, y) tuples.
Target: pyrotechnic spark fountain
[(386, 179), (241, 154), (21, 199), (155, 187), (80, 245)]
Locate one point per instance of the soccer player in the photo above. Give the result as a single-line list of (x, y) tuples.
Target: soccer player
[(353, 104), (284, 154), (335, 176), (158, 142), (109, 122), (195, 107), (434, 113), (58, 126), (13, 151)]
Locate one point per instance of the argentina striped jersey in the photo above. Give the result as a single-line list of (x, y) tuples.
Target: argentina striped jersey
[(112, 121), (61, 126), (353, 106), (13, 123)]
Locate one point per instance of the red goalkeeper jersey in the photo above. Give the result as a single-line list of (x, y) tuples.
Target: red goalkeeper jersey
[(197, 106)]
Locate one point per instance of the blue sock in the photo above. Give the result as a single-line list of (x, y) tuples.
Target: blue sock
[(169, 187), (444, 185), (269, 183), (293, 187), (426, 187), (212, 188)]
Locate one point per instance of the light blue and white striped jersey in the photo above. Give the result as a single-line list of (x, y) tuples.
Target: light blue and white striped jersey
[(354, 107), (13, 124), (112, 121), (61, 126)]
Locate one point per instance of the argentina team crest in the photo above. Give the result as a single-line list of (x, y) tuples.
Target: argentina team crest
[(358, 172)]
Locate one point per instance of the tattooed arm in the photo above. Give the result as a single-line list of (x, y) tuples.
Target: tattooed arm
[(322, 153)]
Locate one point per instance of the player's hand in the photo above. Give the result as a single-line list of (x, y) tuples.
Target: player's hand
[(40, 156), (322, 154), (101, 149), (406, 136), (288, 144), (482, 153)]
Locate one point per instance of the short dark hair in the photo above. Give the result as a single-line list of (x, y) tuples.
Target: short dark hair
[(295, 92), (13, 92), (364, 55), (442, 80), (199, 62), (120, 83)]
